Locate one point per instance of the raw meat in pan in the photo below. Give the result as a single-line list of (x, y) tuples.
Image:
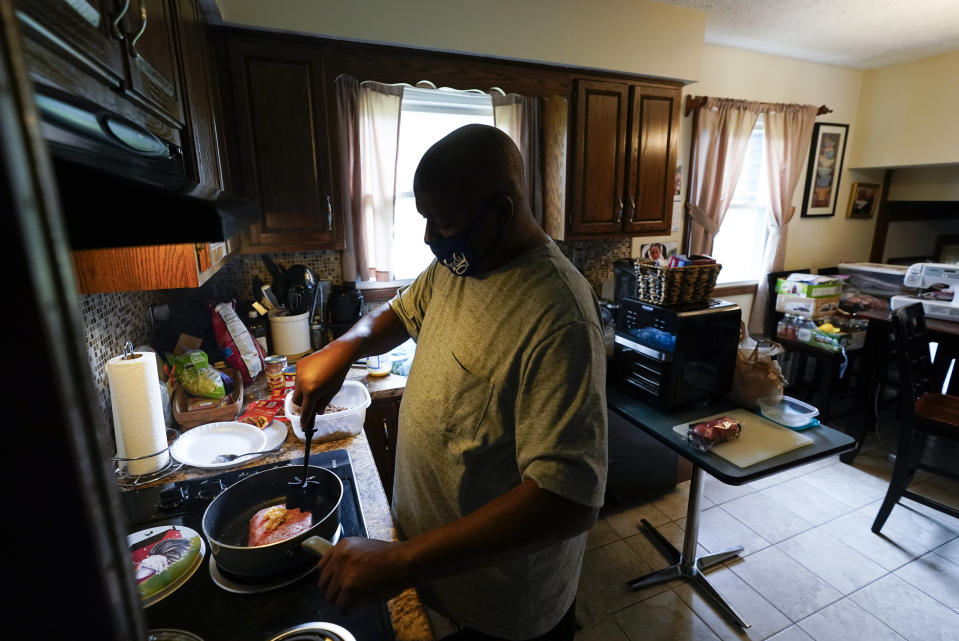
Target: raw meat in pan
[(272, 524)]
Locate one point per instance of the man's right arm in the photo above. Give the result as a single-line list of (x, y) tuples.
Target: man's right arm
[(319, 376)]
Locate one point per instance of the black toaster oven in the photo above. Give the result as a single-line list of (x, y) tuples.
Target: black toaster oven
[(674, 356)]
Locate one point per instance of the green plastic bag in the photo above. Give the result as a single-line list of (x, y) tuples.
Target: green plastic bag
[(193, 371)]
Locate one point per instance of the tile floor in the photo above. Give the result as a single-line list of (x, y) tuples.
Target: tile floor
[(811, 570)]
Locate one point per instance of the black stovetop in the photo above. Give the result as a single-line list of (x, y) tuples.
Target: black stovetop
[(212, 613)]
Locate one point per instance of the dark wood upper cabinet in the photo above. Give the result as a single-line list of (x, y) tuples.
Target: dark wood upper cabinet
[(654, 142), (204, 147), (599, 162), (153, 76), (283, 156), (623, 158), (85, 33)]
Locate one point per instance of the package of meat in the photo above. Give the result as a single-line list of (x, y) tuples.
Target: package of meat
[(276, 523), (703, 436)]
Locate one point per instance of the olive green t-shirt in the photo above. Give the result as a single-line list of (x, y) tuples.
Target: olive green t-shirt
[(507, 384)]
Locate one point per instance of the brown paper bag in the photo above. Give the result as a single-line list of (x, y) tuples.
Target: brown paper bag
[(757, 374)]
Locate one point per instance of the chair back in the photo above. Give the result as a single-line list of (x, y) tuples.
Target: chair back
[(912, 349)]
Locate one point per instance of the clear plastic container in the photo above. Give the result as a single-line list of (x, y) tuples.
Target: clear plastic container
[(353, 396), (787, 410)]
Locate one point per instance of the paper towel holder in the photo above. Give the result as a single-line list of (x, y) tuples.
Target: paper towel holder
[(125, 479), (128, 353)]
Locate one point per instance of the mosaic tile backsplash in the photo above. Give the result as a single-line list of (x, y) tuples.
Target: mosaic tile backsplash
[(112, 319)]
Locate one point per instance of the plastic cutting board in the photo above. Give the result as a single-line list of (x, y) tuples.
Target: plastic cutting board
[(760, 439)]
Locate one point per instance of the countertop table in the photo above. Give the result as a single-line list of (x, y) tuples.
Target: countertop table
[(406, 611), (877, 347), (684, 564)]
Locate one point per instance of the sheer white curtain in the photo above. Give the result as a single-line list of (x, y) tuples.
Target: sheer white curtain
[(788, 131), (520, 116), (368, 118)]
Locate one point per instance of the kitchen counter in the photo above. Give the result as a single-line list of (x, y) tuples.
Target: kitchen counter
[(407, 614)]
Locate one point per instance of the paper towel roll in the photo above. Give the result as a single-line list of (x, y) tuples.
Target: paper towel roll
[(137, 412)]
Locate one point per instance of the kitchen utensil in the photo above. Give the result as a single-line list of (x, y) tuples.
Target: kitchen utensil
[(301, 274), (298, 299), (226, 521), (198, 446), (270, 295), (760, 439), (278, 274), (229, 458)]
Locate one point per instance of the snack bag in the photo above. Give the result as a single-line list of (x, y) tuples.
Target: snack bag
[(702, 436), (193, 371), (243, 353)]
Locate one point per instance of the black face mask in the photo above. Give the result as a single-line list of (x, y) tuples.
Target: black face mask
[(456, 253)]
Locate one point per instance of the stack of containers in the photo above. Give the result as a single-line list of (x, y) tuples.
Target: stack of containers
[(813, 302)]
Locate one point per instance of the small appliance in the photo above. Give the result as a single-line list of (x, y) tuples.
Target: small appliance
[(940, 280), (677, 355)]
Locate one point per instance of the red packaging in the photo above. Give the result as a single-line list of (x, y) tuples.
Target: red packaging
[(261, 413), (242, 352), (703, 436)]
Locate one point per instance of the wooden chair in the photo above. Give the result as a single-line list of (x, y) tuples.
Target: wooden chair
[(924, 413)]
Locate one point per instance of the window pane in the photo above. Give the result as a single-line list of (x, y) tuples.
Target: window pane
[(741, 240), (425, 117)]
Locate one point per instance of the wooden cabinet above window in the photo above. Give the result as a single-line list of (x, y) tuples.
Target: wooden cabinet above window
[(623, 158)]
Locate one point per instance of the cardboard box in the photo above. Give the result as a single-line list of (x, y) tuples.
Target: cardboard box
[(807, 307), (808, 286)]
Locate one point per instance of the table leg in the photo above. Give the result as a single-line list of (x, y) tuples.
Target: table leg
[(684, 565), (864, 413)]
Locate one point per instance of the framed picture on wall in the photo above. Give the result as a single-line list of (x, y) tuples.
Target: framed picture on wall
[(863, 200), (825, 167)]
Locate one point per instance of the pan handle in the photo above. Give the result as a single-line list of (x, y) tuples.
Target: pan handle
[(316, 545)]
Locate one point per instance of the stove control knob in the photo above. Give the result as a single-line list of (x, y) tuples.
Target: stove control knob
[(173, 497), (209, 489)]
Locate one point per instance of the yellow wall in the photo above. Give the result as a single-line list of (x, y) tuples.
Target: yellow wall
[(737, 73), (907, 114), (635, 36)]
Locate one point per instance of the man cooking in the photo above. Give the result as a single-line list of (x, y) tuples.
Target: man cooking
[(501, 453)]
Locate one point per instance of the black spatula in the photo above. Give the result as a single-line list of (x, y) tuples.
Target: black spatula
[(301, 491)]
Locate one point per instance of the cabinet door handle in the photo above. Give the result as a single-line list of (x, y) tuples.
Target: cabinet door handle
[(632, 209), (143, 27), (386, 433), (329, 213), (117, 31), (619, 210)]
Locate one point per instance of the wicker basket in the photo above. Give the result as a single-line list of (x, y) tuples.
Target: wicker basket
[(660, 285), (228, 412)]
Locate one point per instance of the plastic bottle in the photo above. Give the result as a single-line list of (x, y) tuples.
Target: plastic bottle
[(781, 327), (804, 330), (256, 324)]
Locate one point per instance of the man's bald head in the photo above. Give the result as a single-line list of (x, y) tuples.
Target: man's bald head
[(472, 164)]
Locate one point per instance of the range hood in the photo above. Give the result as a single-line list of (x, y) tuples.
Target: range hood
[(122, 186)]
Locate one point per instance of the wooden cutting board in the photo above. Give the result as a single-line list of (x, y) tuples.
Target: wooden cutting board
[(760, 439)]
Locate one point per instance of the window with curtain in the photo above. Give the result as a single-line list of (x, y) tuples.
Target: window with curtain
[(742, 237), (426, 115)]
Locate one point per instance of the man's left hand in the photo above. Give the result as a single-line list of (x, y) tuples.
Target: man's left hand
[(359, 570)]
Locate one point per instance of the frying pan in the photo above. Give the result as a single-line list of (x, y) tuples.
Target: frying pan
[(226, 522)]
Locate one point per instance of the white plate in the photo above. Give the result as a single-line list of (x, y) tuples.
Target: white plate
[(200, 445), (176, 574)]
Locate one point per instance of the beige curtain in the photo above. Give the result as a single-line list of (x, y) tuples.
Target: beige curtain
[(722, 130), (520, 117), (368, 119), (788, 130)]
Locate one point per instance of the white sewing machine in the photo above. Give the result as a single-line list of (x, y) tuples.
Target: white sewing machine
[(936, 302)]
